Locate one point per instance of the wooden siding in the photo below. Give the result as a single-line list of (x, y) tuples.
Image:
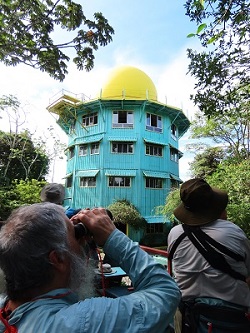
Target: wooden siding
[(145, 199)]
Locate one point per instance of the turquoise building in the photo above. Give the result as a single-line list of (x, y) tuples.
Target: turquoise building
[(122, 145)]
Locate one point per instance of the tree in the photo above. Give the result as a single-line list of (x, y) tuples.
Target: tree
[(207, 162), (28, 192), (26, 31), (20, 158), (19, 193), (230, 130), (172, 201), (55, 148), (235, 179), (222, 70), (124, 212)]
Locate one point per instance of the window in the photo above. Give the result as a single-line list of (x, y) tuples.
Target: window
[(153, 150), (154, 182), (83, 150), (88, 181), (174, 156), (174, 183), (69, 181), (153, 123), (90, 119), (119, 181), (153, 228), (122, 147), (173, 131), (94, 148), (71, 152), (123, 119)]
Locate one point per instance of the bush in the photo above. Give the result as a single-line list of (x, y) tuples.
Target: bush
[(124, 212)]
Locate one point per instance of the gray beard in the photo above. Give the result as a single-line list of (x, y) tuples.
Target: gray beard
[(82, 276)]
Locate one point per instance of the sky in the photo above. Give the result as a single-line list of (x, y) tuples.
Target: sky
[(149, 35)]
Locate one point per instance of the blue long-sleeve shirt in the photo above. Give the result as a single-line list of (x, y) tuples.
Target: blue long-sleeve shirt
[(149, 309)]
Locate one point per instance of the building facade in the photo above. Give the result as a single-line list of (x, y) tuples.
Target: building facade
[(122, 145)]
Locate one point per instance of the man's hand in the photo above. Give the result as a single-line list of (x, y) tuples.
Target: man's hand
[(97, 222)]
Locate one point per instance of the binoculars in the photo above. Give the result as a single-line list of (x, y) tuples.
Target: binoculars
[(81, 230)]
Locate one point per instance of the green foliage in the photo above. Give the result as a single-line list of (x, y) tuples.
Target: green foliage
[(222, 70), (9, 101), (207, 162), (200, 28), (27, 27), (8, 202), (19, 193), (124, 212), (20, 158), (172, 201), (235, 179), (228, 129), (28, 192)]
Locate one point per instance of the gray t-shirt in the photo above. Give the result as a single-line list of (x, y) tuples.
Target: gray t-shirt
[(195, 276)]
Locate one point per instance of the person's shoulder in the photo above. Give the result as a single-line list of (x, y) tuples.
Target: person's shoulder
[(226, 224), (228, 227), (175, 232)]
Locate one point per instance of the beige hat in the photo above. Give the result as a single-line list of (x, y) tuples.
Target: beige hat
[(53, 192), (201, 203)]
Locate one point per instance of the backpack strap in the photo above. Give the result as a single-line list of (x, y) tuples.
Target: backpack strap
[(212, 255), (222, 248), (210, 249), (175, 245)]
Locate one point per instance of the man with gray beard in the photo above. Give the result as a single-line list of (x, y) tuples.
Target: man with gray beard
[(48, 277)]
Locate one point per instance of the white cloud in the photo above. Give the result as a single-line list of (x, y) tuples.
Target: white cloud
[(35, 88)]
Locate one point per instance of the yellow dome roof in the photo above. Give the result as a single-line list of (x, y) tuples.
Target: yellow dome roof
[(129, 83)]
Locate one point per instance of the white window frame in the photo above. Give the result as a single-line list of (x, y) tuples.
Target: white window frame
[(123, 119), (94, 148), (87, 181), (83, 150), (90, 119), (174, 131), (154, 183), (174, 155), (119, 181), (121, 147), (154, 122), (152, 149)]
